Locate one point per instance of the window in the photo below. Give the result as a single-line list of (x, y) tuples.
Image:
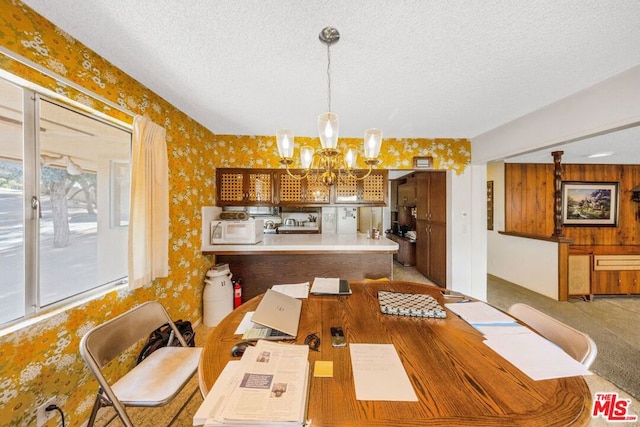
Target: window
[(64, 200)]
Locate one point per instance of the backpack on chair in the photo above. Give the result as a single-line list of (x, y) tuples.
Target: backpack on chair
[(161, 336)]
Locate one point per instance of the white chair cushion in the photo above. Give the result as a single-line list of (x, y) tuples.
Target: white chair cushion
[(159, 377)]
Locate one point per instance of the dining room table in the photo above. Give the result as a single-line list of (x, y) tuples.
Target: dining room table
[(458, 380)]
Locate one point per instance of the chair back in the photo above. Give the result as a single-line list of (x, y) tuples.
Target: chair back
[(107, 341), (576, 344)]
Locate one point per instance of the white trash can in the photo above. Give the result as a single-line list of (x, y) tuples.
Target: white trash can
[(217, 299)]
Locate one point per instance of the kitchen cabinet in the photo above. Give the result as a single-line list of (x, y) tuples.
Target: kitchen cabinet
[(244, 187), (406, 250), (371, 191), (275, 187), (431, 225), (407, 195), (309, 191)]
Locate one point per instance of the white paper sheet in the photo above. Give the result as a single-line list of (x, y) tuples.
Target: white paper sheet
[(537, 357), (295, 290), (325, 285), (245, 323), (478, 313), (378, 373), (491, 329)]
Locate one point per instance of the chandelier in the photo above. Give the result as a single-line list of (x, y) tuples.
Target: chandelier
[(333, 162)]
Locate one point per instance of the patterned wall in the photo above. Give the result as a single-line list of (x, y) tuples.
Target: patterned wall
[(42, 360)]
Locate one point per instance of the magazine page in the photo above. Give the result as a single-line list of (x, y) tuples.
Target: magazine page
[(272, 385)]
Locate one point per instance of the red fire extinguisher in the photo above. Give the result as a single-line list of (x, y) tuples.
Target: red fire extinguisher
[(237, 293)]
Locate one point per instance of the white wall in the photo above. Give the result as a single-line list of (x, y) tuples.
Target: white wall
[(611, 104), (466, 236)]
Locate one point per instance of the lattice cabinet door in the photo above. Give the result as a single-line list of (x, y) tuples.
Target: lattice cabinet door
[(371, 191), (244, 187), (260, 185), (230, 186), (309, 191)]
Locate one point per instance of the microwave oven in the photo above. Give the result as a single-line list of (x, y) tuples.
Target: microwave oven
[(248, 232)]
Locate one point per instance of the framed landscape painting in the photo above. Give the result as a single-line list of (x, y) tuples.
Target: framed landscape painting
[(590, 203)]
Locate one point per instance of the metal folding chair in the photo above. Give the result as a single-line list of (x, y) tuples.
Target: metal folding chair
[(576, 344), (157, 380)]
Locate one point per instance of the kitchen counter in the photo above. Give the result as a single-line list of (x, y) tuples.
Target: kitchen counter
[(309, 243), (297, 258)]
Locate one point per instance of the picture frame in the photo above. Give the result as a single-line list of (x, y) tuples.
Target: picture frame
[(591, 204)]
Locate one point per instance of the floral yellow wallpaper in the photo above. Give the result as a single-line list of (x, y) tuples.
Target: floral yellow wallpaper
[(42, 360)]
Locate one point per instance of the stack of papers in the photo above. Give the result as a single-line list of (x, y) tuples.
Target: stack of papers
[(533, 354), (268, 386)]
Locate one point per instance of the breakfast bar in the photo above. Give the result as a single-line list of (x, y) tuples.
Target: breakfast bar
[(296, 258)]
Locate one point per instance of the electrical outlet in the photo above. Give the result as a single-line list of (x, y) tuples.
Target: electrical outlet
[(42, 415)]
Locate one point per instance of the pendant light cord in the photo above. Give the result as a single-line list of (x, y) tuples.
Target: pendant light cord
[(329, 76)]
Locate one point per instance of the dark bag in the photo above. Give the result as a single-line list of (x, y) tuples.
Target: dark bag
[(160, 338)]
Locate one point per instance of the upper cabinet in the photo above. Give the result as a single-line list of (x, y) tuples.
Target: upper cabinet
[(244, 187), (291, 191), (371, 191), (275, 187), (407, 195)]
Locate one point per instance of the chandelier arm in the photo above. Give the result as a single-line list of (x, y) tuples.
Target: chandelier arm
[(296, 177), (360, 178)]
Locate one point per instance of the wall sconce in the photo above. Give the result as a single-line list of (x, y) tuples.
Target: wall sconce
[(635, 197)]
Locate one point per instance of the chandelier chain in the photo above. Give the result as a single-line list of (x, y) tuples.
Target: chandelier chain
[(329, 76)]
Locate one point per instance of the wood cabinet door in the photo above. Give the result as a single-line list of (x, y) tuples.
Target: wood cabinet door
[(259, 187), (245, 187), (306, 192), (438, 253), (407, 194), (422, 196), (371, 191), (438, 196), (230, 185), (422, 247)]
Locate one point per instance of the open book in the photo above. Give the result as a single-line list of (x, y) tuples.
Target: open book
[(269, 386)]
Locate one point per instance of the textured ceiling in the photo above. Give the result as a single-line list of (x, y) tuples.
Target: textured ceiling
[(415, 68)]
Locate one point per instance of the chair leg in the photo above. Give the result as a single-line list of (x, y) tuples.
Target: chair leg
[(99, 403), (184, 405)]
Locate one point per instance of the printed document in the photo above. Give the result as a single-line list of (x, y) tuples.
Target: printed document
[(295, 290), (269, 386), (378, 373)]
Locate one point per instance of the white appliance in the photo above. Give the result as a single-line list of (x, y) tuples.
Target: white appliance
[(247, 232), (329, 220), (347, 220)]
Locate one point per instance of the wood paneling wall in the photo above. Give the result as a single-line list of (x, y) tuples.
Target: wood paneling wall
[(529, 201)]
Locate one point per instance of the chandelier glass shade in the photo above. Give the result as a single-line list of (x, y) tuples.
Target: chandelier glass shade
[(329, 161)]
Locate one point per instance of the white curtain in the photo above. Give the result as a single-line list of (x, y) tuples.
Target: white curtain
[(149, 214)]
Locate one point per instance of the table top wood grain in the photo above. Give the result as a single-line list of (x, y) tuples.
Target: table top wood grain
[(458, 380)]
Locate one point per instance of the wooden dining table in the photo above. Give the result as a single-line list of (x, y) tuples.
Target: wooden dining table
[(459, 380)]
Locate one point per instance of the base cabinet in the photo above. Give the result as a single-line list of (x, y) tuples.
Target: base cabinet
[(406, 251), (604, 270), (431, 251)]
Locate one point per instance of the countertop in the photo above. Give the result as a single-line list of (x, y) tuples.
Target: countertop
[(312, 243)]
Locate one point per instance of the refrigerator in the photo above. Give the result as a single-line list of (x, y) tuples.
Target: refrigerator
[(347, 220)]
